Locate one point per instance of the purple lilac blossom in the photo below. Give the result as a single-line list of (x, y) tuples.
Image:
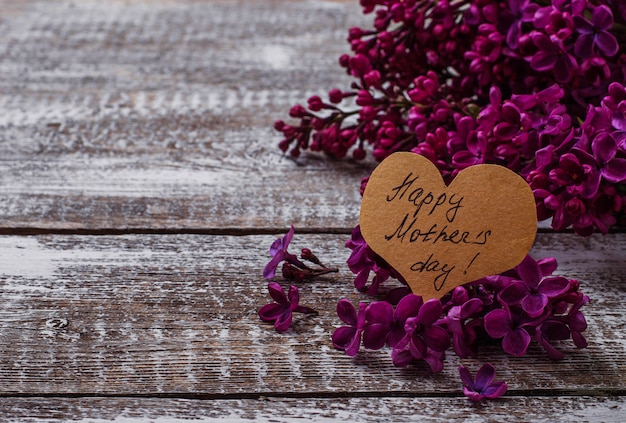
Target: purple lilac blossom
[(537, 87), (483, 387), (280, 312), (279, 253), (463, 320), (424, 338), (348, 338), (364, 261), (425, 78), (533, 291), (595, 35), (292, 267), (509, 324)]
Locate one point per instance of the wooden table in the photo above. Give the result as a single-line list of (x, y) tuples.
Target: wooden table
[(141, 187)]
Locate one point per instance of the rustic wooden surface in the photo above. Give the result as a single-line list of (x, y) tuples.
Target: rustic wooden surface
[(141, 187)]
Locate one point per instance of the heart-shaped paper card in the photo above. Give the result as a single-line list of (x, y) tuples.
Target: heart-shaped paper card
[(439, 237)]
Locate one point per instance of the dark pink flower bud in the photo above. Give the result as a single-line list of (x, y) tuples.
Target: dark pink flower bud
[(279, 125), (348, 136), (380, 153), (344, 60), (355, 33), (364, 182), (397, 12), (372, 79), (386, 142), (538, 180), (318, 123), (289, 131), (438, 31), (367, 113), (315, 103), (359, 65), (364, 98), (283, 145), (386, 40), (335, 96), (432, 58), (306, 253), (297, 111), (358, 153)]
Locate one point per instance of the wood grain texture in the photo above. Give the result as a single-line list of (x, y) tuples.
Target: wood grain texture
[(317, 410), (176, 315), (159, 114), (150, 121)]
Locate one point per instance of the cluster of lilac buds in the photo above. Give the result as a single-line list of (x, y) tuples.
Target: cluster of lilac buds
[(536, 86), (517, 307)]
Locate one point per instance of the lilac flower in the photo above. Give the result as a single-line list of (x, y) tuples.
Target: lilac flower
[(280, 312), (484, 386), (408, 307), (604, 148), (521, 11), (348, 338), (279, 253), (424, 338), (595, 34), (460, 138), (567, 321), (554, 124), (386, 325), (533, 291), (554, 20), (569, 209), (576, 320), (613, 110), (476, 152), (363, 261), (379, 323), (539, 90), (578, 172), (509, 324), (552, 56), (293, 268), (458, 322), (552, 94), (402, 357), (510, 124)]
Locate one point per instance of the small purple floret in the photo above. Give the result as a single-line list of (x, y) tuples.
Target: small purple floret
[(280, 312), (484, 386)]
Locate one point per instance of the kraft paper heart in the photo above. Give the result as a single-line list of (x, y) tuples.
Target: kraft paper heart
[(439, 237)]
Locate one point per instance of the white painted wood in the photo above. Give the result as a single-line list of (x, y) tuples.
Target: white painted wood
[(176, 314), (159, 114), (317, 410)]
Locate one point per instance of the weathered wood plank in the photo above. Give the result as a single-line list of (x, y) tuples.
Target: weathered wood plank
[(159, 114), (275, 410), (170, 314)]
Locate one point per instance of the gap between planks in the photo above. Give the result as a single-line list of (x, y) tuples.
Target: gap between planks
[(518, 393), (170, 231)]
